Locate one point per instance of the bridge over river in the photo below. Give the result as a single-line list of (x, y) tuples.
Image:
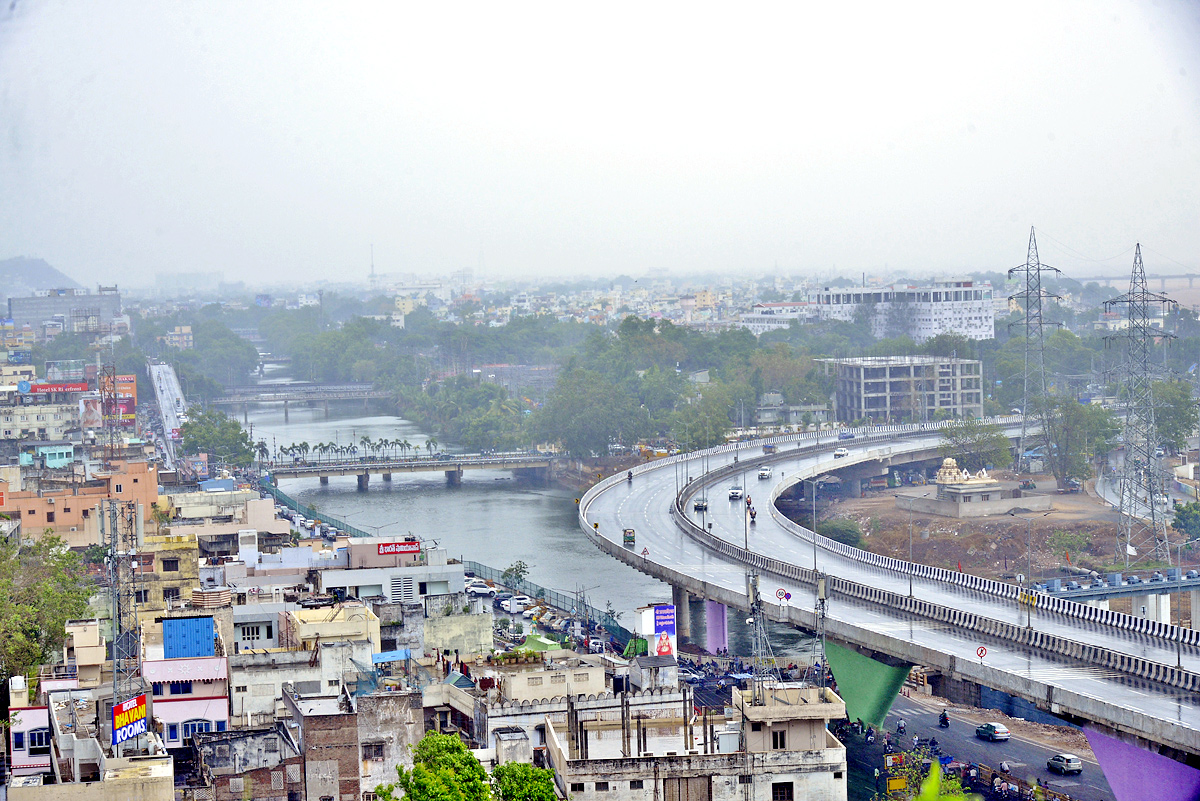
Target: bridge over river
[(529, 464), (1132, 678), (288, 394)]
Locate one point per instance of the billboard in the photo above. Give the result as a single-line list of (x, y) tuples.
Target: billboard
[(658, 627), (91, 414), (126, 411), (126, 386), (129, 719), (391, 548), (65, 370), (79, 386)]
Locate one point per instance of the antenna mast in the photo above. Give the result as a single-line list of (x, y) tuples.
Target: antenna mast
[(1142, 530), (762, 665)]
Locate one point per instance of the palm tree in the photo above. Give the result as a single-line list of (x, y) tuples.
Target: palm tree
[(303, 448), (405, 447), (365, 441), (430, 445), (262, 450)]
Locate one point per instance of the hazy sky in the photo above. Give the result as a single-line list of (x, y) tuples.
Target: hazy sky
[(277, 141)]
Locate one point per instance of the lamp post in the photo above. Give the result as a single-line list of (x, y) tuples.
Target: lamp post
[(1028, 557), (910, 540), (814, 482)]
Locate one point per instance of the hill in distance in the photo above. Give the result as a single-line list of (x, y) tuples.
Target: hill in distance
[(21, 276)]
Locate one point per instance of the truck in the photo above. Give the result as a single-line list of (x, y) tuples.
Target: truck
[(628, 538), (768, 449)]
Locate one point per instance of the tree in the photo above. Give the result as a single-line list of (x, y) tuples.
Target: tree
[(219, 435), (519, 781), (974, 443), (1176, 414), (1072, 432), (515, 573), (443, 770), (42, 586), (841, 530), (1187, 520)]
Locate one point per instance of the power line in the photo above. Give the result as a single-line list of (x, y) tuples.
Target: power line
[(1031, 299)]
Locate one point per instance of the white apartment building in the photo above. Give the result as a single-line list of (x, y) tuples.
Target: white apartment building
[(43, 421), (764, 317), (921, 312)]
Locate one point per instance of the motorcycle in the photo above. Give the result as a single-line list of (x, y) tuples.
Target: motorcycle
[(870, 735), (901, 728), (629, 476), (944, 721)]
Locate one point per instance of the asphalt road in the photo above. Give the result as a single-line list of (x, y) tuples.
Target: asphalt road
[(1026, 757)]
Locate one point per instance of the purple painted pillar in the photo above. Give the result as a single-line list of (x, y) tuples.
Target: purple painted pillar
[(717, 626), (1135, 774)]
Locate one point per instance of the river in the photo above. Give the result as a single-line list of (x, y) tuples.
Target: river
[(489, 518)]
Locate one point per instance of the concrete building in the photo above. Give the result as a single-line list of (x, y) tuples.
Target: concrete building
[(256, 763), (75, 310), (764, 317), (179, 337), (398, 571), (780, 748), (40, 421), (325, 731), (303, 629), (905, 388), (169, 569), (28, 731), (191, 695), (920, 312)]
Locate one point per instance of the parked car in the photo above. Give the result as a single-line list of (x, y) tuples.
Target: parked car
[(840, 453), (500, 598), (700, 504), (992, 732), (479, 588), (735, 493), (516, 603), (1064, 764)]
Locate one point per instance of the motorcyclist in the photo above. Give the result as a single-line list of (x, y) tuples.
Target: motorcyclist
[(944, 719), (901, 727), (629, 476)]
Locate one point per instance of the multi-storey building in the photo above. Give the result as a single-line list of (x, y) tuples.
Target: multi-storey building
[(74, 311), (906, 388), (764, 317), (920, 312), (179, 337)]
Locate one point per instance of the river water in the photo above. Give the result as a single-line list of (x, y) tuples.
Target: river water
[(490, 518)]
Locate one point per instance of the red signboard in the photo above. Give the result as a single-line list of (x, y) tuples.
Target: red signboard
[(72, 387), (391, 548), (129, 719)]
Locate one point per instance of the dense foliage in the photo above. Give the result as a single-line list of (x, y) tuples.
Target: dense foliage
[(974, 443), (220, 436), (42, 586), (443, 770), (519, 781)]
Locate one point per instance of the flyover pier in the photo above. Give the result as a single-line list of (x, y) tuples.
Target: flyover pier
[(1138, 679)]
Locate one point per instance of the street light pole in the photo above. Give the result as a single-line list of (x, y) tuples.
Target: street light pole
[(910, 542)]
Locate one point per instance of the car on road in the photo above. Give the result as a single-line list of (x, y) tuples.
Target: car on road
[(840, 453), (1064, 764), (845, 435), (764, 472), (735, 493), (992, 732), (700, 504)]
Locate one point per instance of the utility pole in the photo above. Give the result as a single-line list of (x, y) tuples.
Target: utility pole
[(1031, 297), (1142, 528), (762, 666)]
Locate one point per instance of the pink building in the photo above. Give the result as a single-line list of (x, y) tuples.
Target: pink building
[(28, 731), (191, 694)]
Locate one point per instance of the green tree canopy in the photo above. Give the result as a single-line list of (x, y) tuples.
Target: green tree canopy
[(973, 443), (443, 770), (1072, 432), (42, 586), (518, 781), (215, 433), (1176, 414)]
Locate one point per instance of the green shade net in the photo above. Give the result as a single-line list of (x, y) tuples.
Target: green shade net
[(868, 687), (636, 647)]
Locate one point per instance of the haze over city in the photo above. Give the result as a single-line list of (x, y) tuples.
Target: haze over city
[(280, 141)]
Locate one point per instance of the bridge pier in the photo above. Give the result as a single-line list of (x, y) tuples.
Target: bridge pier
[(716, 622), (1098, 603), (324, 480), (245, 414), (1195, 608), (285, 411), (387, 477), (454, 478), (364, 481), (1152, 607), (326, 408), (683, 616)]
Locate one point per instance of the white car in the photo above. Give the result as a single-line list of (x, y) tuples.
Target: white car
[(735, 493), (840, 453), (764, 472), (517, 603), (480, 588)]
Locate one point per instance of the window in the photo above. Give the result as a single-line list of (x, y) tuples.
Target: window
[(182, 688), (39, 742), (368, 796), (534, 681), (269, 633), (251, 633), (118, 488), (755, 726), (49, 517), (745, 778), (156, 688), (421, 588), (333, 683), (240, 688), (558, 678), (18, 741), (67, 509), (779, 740), (636, 784), (141, 596), (781, 791), (170, 593), (373, 751), (601, 787), (220, 725), (196, 725), (576, 787), (170, 565), (581, 677), (87, 513)]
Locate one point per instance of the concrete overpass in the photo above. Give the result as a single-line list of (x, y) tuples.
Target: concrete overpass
[(1134, 677), (533, 465)]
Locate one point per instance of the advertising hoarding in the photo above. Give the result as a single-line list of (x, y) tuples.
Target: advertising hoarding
[(73, 386), (129, 719), (65, 370), (392, 548), (658, 627), (91, 414)]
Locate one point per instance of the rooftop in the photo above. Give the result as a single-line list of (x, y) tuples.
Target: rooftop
[(888, 361)]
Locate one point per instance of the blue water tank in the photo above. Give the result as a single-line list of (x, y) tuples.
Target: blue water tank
[(187, 636)]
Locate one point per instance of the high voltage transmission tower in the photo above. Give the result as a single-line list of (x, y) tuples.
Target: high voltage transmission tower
[(763, 668), (1030, 298), (1142, 529), (121, 531)]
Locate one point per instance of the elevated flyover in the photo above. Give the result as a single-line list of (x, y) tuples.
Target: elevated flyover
[(1134, 677), (287, 394), (534, 465)]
